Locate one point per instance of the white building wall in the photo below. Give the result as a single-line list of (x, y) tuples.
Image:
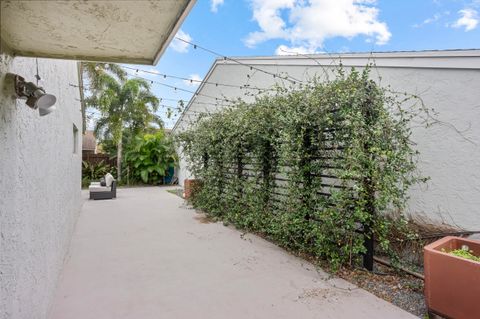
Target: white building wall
[(40, 180), (448, 81)]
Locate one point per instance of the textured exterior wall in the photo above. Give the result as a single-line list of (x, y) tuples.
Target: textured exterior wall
[(111, 31), (40, 179), (450, 149)]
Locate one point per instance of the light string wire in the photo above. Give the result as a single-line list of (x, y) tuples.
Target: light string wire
[(224, 57), (175, 88), (245, 86)]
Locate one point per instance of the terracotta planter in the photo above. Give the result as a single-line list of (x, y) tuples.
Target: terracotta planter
[(190, 186), (452, 284)]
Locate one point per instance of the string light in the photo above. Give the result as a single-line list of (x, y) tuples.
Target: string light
[(199, 81), (163, 106), (287, 78), (177, 88), (185, 101)]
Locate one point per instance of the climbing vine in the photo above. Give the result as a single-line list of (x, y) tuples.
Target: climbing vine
[(316, 169)]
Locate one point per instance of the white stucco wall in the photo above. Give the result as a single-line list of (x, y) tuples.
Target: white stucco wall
[(40, 178), (447, 81)]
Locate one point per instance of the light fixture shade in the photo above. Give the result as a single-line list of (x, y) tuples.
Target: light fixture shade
[(46, 101), (44, 111)]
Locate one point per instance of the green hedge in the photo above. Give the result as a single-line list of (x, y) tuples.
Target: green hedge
[(308, 167)]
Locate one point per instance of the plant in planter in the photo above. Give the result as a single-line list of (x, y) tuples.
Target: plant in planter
[(464, 252), (452, 277), (191, 186)]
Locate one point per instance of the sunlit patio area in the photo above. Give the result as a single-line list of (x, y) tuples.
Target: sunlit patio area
[(148, 255)]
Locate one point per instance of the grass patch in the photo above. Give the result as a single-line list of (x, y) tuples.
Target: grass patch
[(177, 191)]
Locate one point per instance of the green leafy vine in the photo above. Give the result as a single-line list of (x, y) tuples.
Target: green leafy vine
[(310, 168)]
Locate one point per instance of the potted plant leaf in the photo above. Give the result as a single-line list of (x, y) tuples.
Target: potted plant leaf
[(452, 277)]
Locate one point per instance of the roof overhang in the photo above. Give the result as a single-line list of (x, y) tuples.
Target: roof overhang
[(128, 31)]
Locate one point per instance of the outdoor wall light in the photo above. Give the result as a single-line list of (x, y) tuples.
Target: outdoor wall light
[(36, 96)]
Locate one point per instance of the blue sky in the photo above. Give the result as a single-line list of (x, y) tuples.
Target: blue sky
[(268, 27)]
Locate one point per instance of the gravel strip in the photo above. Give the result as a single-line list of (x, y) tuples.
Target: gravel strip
[(404, 291)]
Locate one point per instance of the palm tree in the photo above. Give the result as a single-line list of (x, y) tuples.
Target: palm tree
[(123, 105), (94, 77)]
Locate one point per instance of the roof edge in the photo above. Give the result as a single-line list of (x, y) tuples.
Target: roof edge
[(174, 29), (473, 52)]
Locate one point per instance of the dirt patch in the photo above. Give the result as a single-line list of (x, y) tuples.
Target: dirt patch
[(203, 219), (327, 294)]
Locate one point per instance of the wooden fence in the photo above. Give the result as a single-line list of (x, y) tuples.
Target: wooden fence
[(95, 159)]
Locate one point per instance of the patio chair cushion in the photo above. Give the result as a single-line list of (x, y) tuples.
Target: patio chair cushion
[(98, 188), (108, 180)]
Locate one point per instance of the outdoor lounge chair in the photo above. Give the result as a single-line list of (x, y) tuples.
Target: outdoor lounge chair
[(99, 191)]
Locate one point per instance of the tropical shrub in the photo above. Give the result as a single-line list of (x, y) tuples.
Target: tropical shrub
[(149, 157), (93, 172), (317, 169)]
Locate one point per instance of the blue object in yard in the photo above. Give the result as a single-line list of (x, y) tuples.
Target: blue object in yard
[(169, 177)]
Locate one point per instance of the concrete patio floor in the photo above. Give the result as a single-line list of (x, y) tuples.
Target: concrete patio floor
[(146, 255)]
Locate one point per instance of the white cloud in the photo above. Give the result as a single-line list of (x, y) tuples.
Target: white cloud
[(179, 45), (195, 80), (214, 4), (468, 20), (431, 20), (153, 70), (286, 50), (307, 24)]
